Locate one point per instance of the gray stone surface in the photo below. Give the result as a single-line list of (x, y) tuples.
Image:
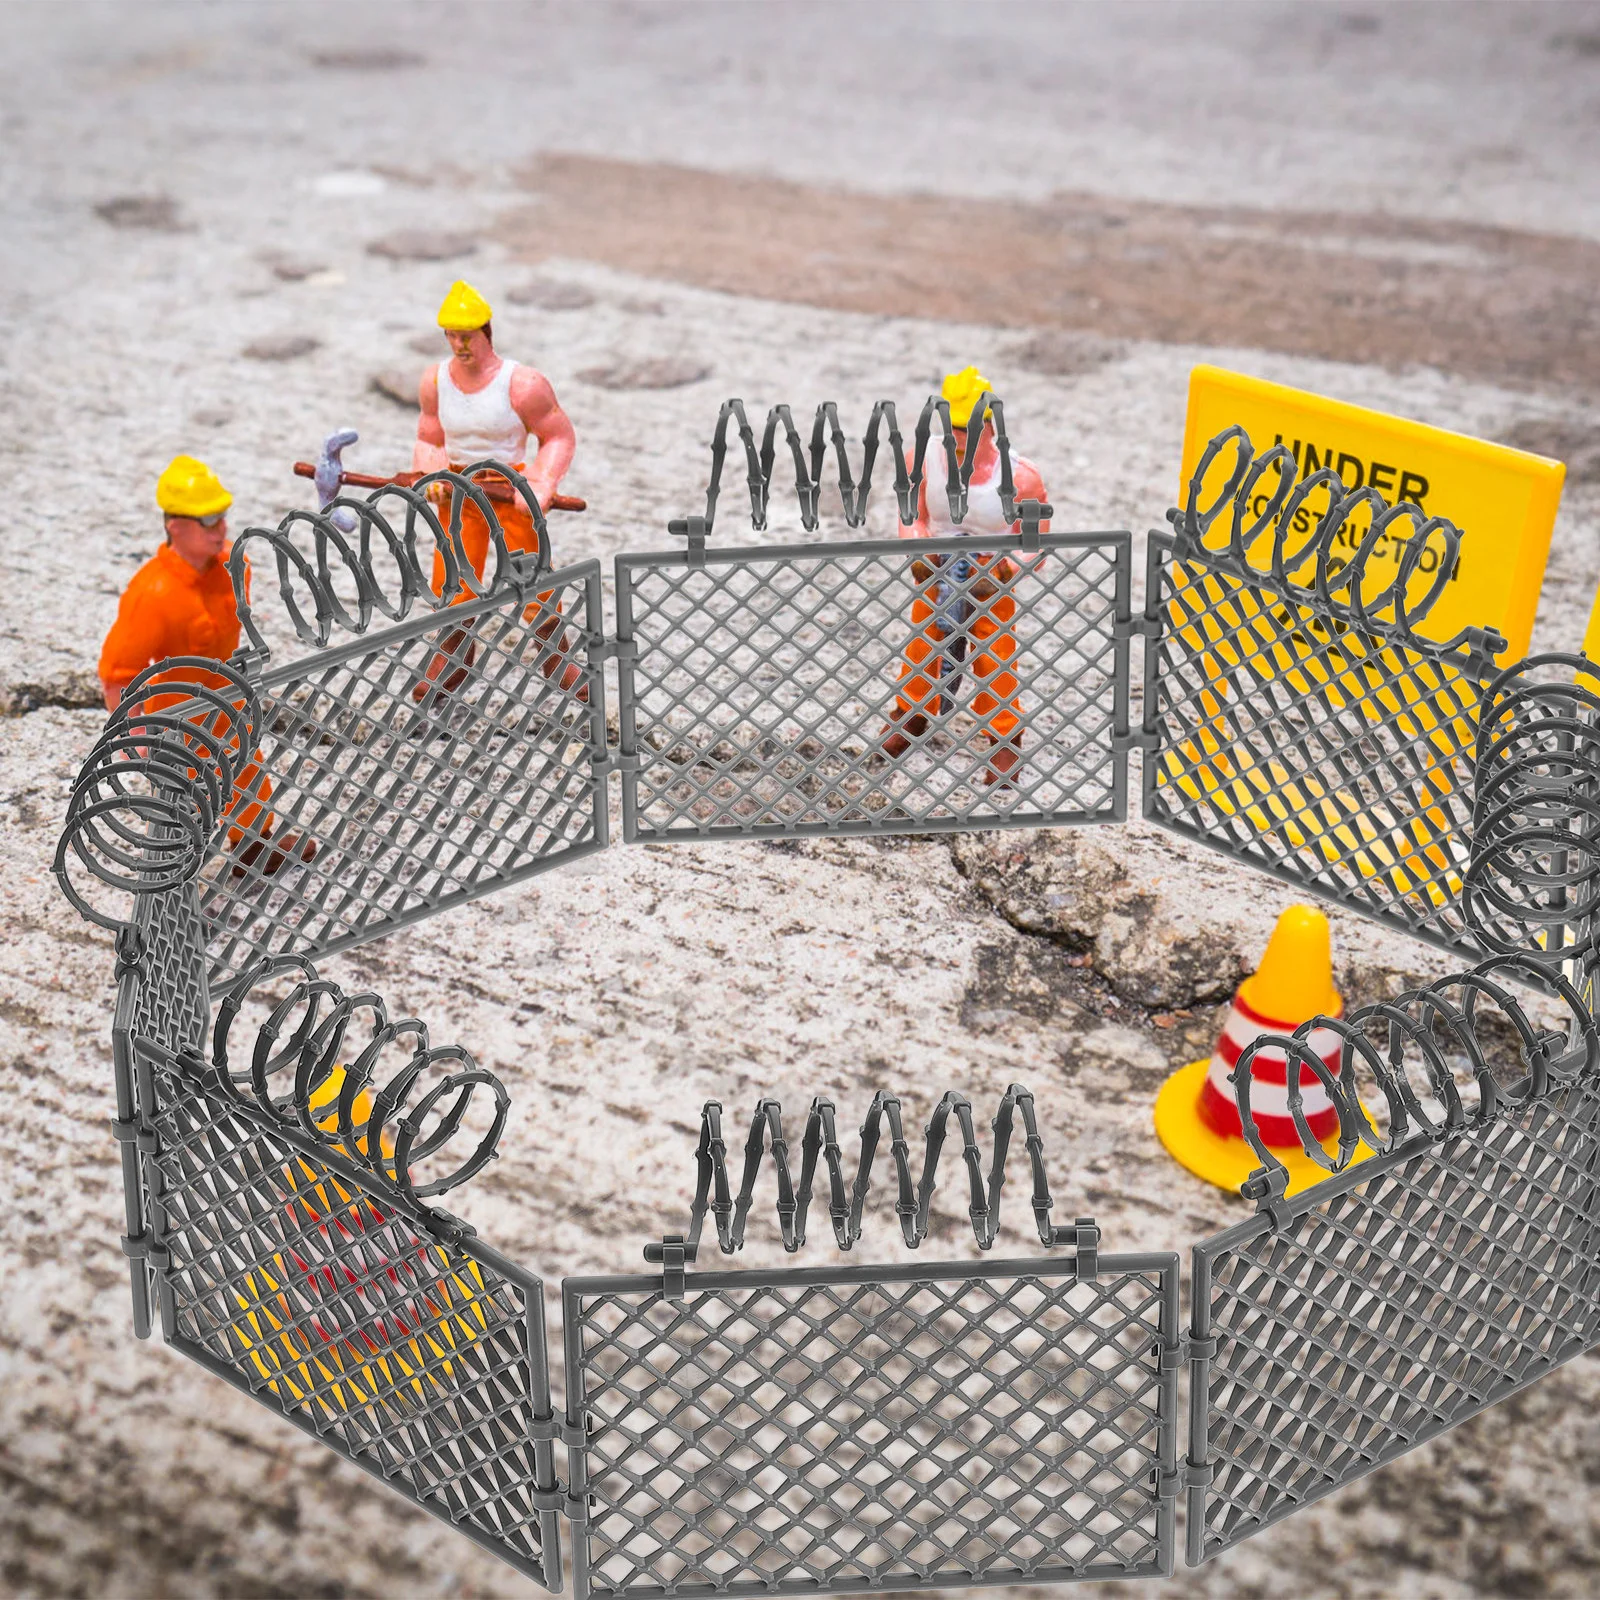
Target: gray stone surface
[(183, 181)]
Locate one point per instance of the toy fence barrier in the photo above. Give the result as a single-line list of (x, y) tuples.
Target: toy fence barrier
[(840, 1429)]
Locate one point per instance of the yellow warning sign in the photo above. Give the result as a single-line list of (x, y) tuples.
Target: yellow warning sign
[(1503, 500)]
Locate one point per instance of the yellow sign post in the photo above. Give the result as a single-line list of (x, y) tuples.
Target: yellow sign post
[(1503, 500)]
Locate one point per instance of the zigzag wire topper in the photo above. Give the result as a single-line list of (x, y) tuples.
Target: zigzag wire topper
[(356, 561), (1336, 580), (820, 1142), (826, 430)]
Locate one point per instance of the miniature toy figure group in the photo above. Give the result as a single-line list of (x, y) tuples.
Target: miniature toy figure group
[(477, 405)]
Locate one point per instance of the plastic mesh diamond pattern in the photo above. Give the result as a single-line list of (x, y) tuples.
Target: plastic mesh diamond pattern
[(1393, 1311), (757, 687), (170, 1002), (1336, 757), (873, 1428), (328, 1303), (425, 766)]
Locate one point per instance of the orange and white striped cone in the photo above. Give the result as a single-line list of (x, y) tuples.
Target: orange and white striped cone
[(1197, 1110)]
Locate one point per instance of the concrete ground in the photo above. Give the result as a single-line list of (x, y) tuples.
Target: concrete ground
[(226, 232)]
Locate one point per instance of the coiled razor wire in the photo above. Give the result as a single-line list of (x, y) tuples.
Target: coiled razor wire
[(1394, 1040), (1533, 879), (820, 1143), (149, 803), (309, 1033), (1335, 582), (371, 530), (825, 431)]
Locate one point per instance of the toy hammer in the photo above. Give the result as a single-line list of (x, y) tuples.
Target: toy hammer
[(329, 476)]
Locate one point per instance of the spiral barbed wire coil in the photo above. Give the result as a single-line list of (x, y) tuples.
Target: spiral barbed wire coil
[(826, 431), (846, 1206), (354, 553), (310, 1033), (151, 799), (1314, 567), (1533, 873), (1417, 1033)]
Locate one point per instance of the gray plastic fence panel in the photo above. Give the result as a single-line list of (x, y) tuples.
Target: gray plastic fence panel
[(417, 1356), (430, 763), (756, 686), (1393, 1303), (845, 1429), (161, 997), (1339, 758)]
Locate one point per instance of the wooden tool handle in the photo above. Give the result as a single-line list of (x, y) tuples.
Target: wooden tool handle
[(497, 489)]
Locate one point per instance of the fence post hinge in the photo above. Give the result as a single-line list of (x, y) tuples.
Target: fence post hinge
[(448, 1230), (1140, 627), (1198, 1474), (1136, 739), (608, 761), (1032, 513), (1169, 1483), (146, 1247), (671, 1253), (1187, 1349), (1266, 1186), (130, 950), (1085, 1237), (602, 649), (695, 530)]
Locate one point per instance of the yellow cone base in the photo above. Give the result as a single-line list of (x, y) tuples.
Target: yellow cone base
[(1226, 1162)]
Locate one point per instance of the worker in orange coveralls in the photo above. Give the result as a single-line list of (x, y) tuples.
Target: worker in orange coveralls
[(180, 603), (979, 613), (476, 407)]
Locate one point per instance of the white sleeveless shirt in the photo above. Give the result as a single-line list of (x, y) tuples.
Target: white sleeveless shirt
[(984, 516), (481, 425)]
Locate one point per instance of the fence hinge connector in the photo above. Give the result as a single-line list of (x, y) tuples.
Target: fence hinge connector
[(1266, 1186), (1197, 1474), (448, 1230), (695, 530), (1187, 1349), (608, 761), (1136, 627), (145, 1247), (1032, 513), (1137, 739), (574, 1435), (130, 950), (1169, 1483), (672, 1253), (602, 649), (548, 1499), (1086, 1255)]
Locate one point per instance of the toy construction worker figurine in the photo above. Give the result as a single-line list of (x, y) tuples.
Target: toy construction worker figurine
[(965, 603), (478, 406), (180, 603)]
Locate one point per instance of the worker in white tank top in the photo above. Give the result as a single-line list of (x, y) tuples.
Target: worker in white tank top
[(477, 407), (962, 616)]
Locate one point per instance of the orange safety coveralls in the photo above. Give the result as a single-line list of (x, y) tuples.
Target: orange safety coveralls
[(170, 609), (996, 705)]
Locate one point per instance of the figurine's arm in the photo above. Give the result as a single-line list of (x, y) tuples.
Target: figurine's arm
[(427, 455), (535, 402), (137, 637)]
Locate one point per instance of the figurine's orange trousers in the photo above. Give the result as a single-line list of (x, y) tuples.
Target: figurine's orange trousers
[(516, 522), (996, 704)]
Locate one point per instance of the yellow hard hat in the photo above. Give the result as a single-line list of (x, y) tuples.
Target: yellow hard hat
[(463, 308), (962, 389), (189, 488)]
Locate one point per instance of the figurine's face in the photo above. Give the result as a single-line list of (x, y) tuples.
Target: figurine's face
[(198, 540), (469, 344)]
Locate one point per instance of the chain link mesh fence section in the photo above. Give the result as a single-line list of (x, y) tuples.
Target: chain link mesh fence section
[(373, 781), (759, 687), (871, 1428), (840, 1429), (295, 1258), (1375, 1311), (1299, 723)]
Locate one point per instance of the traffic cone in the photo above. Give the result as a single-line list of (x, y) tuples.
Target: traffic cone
[(1197, 1111)]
